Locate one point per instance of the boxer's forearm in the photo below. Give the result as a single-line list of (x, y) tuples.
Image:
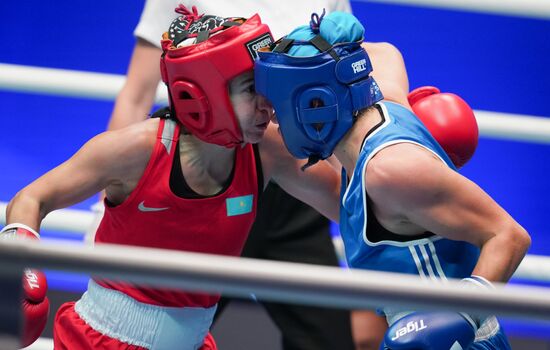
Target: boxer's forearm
[(24, 209), (501, 255)]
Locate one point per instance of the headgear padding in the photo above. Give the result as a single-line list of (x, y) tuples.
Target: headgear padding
[(198, 75), (316, 97)]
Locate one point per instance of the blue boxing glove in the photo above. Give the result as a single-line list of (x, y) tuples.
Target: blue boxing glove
[(430, 331), (436, 330)]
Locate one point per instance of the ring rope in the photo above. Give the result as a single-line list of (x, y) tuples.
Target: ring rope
[(277, 281), (77, 222), (106, 87)]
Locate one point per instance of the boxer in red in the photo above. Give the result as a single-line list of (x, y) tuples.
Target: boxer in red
[(187, 179)]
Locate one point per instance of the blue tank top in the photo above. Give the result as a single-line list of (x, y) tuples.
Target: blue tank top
[(368, 245)]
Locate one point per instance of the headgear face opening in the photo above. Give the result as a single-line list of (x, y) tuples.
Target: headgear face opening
[(197, 77)]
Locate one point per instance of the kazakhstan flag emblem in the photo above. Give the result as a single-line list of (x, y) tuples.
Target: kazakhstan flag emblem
[(239, 205)]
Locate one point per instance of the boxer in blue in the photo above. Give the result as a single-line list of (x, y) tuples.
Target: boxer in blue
[(404, 207)]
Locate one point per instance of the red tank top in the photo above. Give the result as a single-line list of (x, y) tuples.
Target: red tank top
[(153, 216)]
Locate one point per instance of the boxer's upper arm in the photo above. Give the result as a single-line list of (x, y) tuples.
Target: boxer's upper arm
[(389, 71), (429, 194), (104, 160)]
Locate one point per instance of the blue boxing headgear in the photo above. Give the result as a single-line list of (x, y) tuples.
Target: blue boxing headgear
[(316, 98)]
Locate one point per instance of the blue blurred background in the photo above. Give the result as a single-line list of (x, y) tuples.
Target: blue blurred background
[(496, 63)]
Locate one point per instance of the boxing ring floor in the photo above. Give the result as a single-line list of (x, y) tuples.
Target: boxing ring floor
[(486, 58)]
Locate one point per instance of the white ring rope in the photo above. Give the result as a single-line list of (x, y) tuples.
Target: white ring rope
[(513, 126), (72, 221), (106, 86), (77, 222), (64, 82), (523, 8), (276, 281)]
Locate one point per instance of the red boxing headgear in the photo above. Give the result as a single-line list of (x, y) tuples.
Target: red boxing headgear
[(198, 77)]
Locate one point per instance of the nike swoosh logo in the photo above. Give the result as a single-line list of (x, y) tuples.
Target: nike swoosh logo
[(142, 207)]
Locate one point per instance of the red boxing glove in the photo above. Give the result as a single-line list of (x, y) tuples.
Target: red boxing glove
[(209, 343), (36, 306), (450, 121)]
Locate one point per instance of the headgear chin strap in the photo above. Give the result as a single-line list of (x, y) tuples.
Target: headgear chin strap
[(316, 98), (198, 76)]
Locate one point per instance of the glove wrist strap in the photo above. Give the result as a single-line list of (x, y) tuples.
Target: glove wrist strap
[(10, 231), (475, 282), (478, 281)]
